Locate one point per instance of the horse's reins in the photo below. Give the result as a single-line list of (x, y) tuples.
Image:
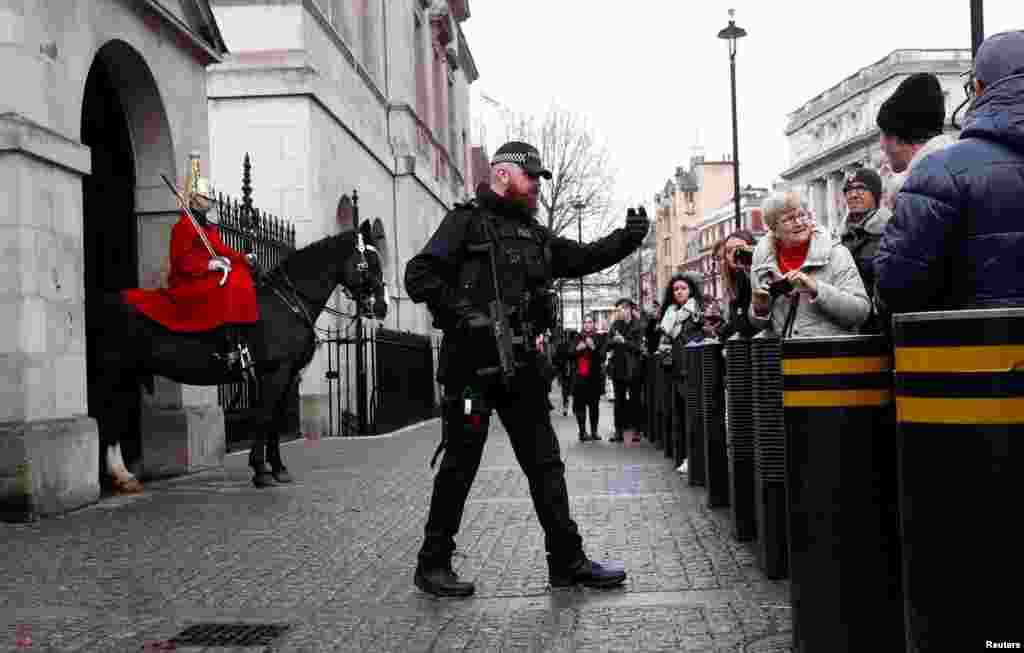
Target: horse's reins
[(297, 303)]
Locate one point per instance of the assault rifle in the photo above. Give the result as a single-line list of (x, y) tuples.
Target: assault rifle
[(503, 337)]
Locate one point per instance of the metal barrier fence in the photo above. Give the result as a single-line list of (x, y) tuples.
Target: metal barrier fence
[(399, 374), (247, 229), (848, 493)]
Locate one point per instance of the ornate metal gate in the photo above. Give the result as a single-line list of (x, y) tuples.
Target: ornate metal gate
[(248, 229), (400, 375)]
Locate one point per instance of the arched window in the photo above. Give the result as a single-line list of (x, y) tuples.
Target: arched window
[(345, 213)]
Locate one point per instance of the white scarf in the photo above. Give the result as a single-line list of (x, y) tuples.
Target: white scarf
[(675, 317)]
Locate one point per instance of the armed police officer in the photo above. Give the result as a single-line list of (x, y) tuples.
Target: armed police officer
[(485, 275)]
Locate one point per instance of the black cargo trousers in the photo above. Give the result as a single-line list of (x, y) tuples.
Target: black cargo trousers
[(523, 410)]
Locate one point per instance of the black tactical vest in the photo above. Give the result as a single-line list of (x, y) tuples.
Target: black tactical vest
[(522, 256)]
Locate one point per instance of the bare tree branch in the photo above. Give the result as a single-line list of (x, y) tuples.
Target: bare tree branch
[(580, 168)]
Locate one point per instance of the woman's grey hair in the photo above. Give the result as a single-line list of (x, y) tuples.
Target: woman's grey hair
[(778, 203)]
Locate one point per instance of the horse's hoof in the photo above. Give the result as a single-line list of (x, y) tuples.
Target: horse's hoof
[(282, 476), (126, 486), (263, 479)]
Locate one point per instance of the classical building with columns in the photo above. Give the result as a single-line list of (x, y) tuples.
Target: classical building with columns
[(835, 133)]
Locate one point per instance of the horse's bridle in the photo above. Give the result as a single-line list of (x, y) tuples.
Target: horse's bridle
[(362, 267), (297, 302)]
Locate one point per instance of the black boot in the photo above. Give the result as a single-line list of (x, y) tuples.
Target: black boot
[(594, 436), (441, 581), (587, 573)]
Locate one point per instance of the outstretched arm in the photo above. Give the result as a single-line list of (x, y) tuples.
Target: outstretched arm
[(571, 259)]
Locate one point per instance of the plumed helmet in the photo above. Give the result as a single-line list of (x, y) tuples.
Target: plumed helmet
[(195, 183)]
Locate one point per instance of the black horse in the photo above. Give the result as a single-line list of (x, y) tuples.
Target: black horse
[(132, 347)]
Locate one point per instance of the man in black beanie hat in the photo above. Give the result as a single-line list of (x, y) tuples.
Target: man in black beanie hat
[(862, 231), (956, 238), (956, 242), (911, 121)]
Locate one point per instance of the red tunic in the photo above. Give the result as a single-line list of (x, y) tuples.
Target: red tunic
[(192, 300)]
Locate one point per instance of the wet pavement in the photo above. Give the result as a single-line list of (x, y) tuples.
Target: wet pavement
[(332, 557)]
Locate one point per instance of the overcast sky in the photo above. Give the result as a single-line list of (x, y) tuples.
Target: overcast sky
[(652, 77)]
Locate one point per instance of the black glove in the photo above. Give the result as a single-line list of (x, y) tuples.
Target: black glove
[(469, 317), (637, 223)]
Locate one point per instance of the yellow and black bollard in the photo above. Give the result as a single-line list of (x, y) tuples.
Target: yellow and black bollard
[(716, 461), (694, 417), (960, 408), (769, 456), (739, 398), (841, 486)]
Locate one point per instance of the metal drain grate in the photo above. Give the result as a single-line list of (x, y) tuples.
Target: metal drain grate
[(214, 634), (780, 643)]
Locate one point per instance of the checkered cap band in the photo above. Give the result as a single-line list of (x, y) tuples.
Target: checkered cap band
[(519, 158)]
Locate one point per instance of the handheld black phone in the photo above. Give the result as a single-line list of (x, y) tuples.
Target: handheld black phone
[(743, 256), (780, 287)]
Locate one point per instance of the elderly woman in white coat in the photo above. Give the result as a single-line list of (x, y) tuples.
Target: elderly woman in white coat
[(827, 296)]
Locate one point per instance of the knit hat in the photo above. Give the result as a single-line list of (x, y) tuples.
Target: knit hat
[(869, 178), (915, 111), (1000, 55)]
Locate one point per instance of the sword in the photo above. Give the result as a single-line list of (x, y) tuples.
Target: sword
[(195, 223)]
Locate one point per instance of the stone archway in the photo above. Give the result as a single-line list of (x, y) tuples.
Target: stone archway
[(125, 126)]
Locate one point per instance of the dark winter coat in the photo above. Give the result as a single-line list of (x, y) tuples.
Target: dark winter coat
[(863, 240), (737, 318), (628, 358), (593, 384), (956, 238)]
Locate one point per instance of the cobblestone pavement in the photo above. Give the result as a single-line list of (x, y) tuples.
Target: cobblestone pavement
[(332, 555)]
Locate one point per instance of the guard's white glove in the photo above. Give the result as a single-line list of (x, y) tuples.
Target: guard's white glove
[(219, 263)]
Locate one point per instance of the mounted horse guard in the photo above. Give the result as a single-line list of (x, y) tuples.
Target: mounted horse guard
[(180, 331)]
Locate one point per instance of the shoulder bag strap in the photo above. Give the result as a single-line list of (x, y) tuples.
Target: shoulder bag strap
[(787, 328)]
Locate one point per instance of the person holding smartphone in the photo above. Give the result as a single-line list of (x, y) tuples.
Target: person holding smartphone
[(804, 284), (736, 255)]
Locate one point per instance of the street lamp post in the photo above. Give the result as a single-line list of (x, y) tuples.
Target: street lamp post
[(579, 206), (977, 26), (731, 33)]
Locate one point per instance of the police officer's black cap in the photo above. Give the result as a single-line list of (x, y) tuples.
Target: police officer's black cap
[(523, 155)]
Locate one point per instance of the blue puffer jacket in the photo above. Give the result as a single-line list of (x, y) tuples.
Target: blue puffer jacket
[(956, 238)]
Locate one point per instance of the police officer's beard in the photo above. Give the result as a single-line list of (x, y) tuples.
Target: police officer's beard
[(522, 201)]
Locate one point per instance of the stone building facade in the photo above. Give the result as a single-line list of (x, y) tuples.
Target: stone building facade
[(100, 98), (331, 96), (681, 204), (835, 133), (713, 228)]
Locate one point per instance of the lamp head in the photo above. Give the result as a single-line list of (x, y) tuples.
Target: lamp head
[(731, 32)]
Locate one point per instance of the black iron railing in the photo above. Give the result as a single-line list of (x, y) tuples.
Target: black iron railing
[(248, 229)]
